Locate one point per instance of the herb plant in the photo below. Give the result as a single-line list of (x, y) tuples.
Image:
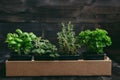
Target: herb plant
[(67, 40), (20, 42), (95, 41), (43, 47)]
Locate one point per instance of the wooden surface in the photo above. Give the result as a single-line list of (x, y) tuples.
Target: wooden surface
[(93, 11), (59, 68)]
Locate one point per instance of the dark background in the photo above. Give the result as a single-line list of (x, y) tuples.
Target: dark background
[(44, 17)]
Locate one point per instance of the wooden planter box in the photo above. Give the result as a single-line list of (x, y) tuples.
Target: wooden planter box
[(59, 68)]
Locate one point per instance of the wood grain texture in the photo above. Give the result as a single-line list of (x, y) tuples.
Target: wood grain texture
[(60, 10)]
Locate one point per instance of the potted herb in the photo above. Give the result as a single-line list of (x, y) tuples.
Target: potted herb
[(64, 65), (44, 50), (94, 42), (68, 47), (21, 44)]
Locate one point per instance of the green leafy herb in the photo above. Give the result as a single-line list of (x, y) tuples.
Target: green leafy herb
[(44, 47), (21, 42), (67, 40), (95, 40)]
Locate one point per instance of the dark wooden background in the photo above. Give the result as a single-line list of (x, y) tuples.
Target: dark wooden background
[(43, 17)]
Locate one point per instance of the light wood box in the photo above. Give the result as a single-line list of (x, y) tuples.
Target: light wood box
[(59, 68)]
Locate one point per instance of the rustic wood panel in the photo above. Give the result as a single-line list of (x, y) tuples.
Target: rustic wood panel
[(60, 10)]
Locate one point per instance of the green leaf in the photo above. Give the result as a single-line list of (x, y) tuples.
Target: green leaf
[(18, 40), (12, 42), (19, 31)]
